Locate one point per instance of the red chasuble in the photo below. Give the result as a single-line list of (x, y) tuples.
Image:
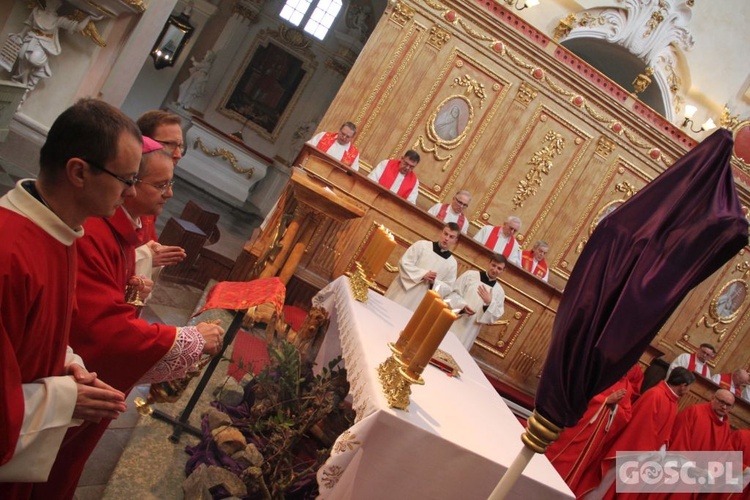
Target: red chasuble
[(527, 261), (582, 446), (492, 241), (113, 342), (37, 282), (325, 143), (389, 176), (649, 428), (698, 428)]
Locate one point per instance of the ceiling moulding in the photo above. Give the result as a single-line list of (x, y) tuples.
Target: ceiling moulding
[(109, 8)]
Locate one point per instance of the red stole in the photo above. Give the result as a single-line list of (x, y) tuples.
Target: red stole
[(444, 211), (389, 176), (492, 241), (327, 141), (725, 382), (691, 366), (527, 261)]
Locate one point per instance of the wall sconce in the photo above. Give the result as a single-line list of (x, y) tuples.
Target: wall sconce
[(522, 4), (689, 113), (172, 39)]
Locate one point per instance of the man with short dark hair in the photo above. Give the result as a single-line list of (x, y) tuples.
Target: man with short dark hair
[(339, 145), (502, 239), (398, 176), (166, 129), (425, 265), (453, 211), (480, 298), (88, 166), (696, 362)]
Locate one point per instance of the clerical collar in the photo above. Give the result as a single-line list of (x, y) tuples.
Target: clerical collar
[(443, 253), (30, 187), (486, 279)]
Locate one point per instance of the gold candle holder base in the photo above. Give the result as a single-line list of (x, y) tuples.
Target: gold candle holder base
[(359, 283), (396, 383), (143, 407)]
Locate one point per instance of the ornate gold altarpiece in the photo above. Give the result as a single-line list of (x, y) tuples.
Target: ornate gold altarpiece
[(496, 107)]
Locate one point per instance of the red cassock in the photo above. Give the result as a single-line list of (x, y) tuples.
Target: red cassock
[(653, 416), (106, 333), (698, 428), (37, 282), (581, 447)]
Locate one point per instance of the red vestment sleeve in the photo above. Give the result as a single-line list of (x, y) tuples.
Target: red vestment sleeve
[(106, 333)]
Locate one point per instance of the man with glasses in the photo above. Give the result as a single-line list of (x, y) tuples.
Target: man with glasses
[(166, 129), (534, 260), (339, 145), (502, 239), (106, 329), (453, 211), (705, 426), (398, 176), (696, 362), (87, 167)]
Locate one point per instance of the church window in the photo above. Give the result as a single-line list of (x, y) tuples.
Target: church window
[(316, 16)]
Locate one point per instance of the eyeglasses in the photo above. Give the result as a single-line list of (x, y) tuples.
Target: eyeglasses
[(171, 146), (723, 403), (127, 182), (511, 229), (709, 354), (461, 203), (161, 187)]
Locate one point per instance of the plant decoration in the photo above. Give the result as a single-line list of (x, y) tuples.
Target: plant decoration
[(275, 440)]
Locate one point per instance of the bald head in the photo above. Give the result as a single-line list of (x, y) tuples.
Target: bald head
[(740, 377), (722, 402)]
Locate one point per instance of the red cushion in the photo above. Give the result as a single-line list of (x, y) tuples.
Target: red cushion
[(294, 316)]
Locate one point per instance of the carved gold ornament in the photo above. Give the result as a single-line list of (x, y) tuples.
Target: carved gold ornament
[(471, 86), (402, 13), (226, 155), (439, 36), (450, 121), (725, 307), (541, 164)]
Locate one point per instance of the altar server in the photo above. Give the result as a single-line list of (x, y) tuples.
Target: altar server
[(425, 265), (480, 298)]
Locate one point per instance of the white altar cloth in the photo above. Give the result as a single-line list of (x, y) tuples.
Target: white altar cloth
[(456, 440)]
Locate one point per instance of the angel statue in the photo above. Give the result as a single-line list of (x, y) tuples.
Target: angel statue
[(40, 40), (194, 85)]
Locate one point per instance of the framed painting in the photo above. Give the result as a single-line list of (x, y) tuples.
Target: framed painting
[(266, 87)]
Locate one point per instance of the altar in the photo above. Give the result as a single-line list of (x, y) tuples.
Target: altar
[(455, 441)]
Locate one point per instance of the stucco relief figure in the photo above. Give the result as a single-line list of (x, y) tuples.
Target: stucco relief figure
[(40, 41), (194, 86), (358, 20), (451, 120)]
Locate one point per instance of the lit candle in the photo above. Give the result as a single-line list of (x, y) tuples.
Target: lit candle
[(427, 349), (429, 297), (423, 328)]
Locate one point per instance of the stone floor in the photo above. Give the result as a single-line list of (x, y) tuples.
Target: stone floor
[(135, 457)]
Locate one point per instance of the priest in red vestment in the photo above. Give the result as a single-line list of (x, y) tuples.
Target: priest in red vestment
[(502, 239), (705, 426), (582, 446), (534, 260), (453, 211), (106, 330), (398, 176), (648, 431), (87, 168), (339, 145)]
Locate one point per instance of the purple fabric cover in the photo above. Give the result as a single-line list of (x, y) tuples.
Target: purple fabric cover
[(639, 264)]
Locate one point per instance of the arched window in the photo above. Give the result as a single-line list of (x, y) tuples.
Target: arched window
[(316, 16)]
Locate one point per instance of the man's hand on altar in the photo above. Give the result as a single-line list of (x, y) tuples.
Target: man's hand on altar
[(142, 284), (164, 255), (96, 400), (212, 334), (430, 277)]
